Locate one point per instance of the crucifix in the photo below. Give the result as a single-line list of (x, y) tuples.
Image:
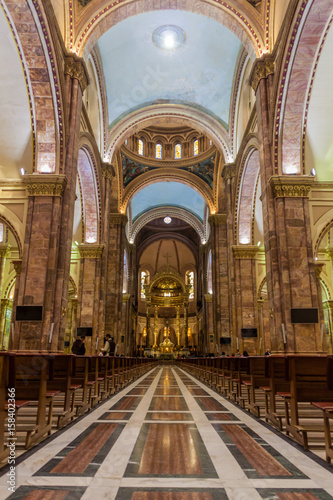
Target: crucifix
[(167, 258)]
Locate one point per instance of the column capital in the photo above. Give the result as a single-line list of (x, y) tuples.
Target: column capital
[(17, 263), (45, 184), (217, 219), (261, 69), (229, 171), (245, 251), (76, 68), (108, 170), (90, 250), (208, 297), (4, 250), (295, 186), (318, 268), (126, 297), (117, 218)]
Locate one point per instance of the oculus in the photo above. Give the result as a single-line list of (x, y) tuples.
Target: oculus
[(167, 220), (169, 37)]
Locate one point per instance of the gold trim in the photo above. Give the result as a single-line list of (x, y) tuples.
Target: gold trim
[(120, 219), (126, 297), (108, 170), (262, 68), (75, 67), (229, 171), (217, 219), (45, 184), (208, 297), (4, 250), (245, 251), (319, 268), (296, 186), (90, 250)]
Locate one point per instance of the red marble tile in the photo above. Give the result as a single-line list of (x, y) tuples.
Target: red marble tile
[(171, 495), (46, 495), (116, 416), (296, 496), (167, 403), (168, 416)]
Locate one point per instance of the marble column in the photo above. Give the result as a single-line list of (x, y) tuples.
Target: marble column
[(291, 281), (17, 263), (148, 305), (115, 275), (155, 325), (246, 311), (186, 325), (89, 288), (4, 252), (5, 303), (178, 325)]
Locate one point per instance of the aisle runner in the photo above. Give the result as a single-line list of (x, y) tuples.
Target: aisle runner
[(168, 437)]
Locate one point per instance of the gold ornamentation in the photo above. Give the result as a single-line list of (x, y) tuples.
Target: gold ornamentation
[(4, 250), (229, 171), (90, 251), (285, 186), (17, 266), (75, 67), (118, 219), (217, 219), (45, 184), (126, 297), (318, 268), (108, 170), (208, 297), (245, 251), (261, 69)]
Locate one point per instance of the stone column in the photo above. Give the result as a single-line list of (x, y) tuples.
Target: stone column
[(37, 283), (17, 263), (148, 305), (88, 300), (178, 325), (5, 303), (155, 325), (4, 252), (291, 280), (186, 325), (245, 274), (328, 314), (115, 275)]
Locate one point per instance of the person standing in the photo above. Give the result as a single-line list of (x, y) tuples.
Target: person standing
[(78, 347)]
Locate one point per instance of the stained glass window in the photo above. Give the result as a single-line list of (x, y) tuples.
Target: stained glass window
[(178, 151), (158, 153), (210, 143), (190, 281), (140, 147), (196, 147), (125, 279), (1, 233), (144, 281), (209, 274)]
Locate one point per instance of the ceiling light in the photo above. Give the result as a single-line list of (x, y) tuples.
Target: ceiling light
[(167, 220), (169, 37)]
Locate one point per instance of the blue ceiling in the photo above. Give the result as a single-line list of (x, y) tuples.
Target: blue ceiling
[(199, 74)]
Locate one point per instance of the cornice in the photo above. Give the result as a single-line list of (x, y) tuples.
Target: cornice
[(262, 68), (217, 219), (90, 250), (245, 251), (76, 68), (108, 170), (287, 186), (45, 184), (229, 171)]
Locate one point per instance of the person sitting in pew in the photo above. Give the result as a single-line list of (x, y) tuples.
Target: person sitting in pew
[(78, 347)]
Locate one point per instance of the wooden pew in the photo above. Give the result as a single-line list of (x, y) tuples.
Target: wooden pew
[(257, 377), (277, 369), (4, 385), (81, 375)]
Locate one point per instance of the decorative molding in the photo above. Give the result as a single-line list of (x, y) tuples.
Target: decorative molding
[(108, 170), (318, 268), (296, 186), (261, 69), (217, 219), (90, 250), (229, 171), (208, 297), (17, 263), (45, 184), (245, 251), (126, 297), (329, 252), (4, 250), (118, 219), (75, 67)]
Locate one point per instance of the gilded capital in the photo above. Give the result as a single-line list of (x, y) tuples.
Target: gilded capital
[(229, 171), (245, 251), (318, 268), (217, 219), (108, 170), (118, 219), (285, 186), (45, 184), (17, 263), (90, 250), (261, 69), (208, 297), (75, 67)]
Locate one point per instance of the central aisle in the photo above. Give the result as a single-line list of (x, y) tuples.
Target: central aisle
[(168, 437)]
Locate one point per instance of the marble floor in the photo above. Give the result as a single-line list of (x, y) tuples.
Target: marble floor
[(169, 437)]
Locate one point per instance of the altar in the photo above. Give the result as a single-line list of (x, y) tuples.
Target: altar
[(166, 347)]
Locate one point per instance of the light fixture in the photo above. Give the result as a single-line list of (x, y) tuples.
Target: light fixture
[(259, 243), (76, 243), (313, 172), (167, 220), (23, 172), (169, 37)]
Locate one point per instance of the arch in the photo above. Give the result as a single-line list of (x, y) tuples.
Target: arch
[(73, 284), (166, 272), (299, 68), (89, 194), (246, 196), (324, 224), (243, 24), (42, 80), (156, 213), (180, 114), (14, 224)]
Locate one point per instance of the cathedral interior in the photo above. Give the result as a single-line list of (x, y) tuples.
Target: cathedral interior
[(166, 178)]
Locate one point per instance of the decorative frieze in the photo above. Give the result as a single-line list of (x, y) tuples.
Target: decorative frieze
[(261, 69), (118, 219), (229, 171), (90, 251), (245, 251), (75, 67), (217, 219), (45, 184), (108, 170), (286, 186)]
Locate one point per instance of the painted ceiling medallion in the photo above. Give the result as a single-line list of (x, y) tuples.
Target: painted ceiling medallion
[(169, 37)]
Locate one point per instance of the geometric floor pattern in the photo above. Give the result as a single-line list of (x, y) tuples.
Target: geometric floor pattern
[(169, 437)]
